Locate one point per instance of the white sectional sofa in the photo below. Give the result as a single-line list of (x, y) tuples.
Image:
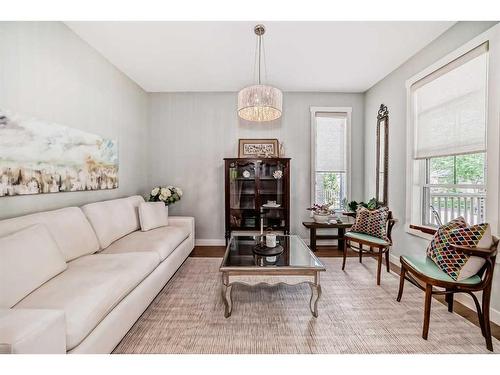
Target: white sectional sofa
[(75, 280)]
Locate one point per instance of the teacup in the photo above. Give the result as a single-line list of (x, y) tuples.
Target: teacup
[(271, 240)]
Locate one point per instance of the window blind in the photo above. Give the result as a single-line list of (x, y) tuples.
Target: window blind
[(449, 107), (330, 142)]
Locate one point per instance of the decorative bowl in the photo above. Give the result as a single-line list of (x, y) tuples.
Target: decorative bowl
[(321, 218)]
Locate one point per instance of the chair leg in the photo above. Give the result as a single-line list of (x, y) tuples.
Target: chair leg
[(345, 254), (360, 253), (379, 265), (387, 264), (401, 283), (479, 313), (449, 300), (486, 317), (427, 310)]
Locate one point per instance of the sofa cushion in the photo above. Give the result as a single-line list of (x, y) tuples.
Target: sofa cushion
[(28, 258), (162, 240), (113, 219), (153, 215), (90, 288), (68, 226), (31, 331)]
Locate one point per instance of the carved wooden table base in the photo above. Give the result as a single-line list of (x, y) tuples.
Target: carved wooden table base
[(229, 279)]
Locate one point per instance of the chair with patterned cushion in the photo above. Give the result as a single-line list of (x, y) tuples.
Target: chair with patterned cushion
[(371, 245), (424, 273)]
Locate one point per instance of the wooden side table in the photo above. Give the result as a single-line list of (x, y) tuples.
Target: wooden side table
[(346, 223)]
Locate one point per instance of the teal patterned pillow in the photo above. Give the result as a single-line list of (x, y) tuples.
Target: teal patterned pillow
[(457, 265), (440, 238), (371, 222)]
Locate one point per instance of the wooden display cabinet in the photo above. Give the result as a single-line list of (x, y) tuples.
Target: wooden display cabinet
[(249, 185)]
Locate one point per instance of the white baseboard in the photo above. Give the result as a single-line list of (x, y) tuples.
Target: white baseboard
[(209, 242), (467, 301), (222, 242), (461, 297)]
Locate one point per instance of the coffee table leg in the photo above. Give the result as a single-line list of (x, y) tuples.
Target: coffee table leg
[(227, 296), (315, 295)]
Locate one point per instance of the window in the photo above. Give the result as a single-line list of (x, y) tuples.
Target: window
[(330, 130), (455, 186), (448, 116)]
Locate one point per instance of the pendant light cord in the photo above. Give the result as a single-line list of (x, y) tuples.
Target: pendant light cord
[(260, 49)]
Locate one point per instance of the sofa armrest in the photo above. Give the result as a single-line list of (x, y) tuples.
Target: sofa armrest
[(31, 331), (182, 221)]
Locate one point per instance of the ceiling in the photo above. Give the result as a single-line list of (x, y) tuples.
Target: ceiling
[(219, 56)]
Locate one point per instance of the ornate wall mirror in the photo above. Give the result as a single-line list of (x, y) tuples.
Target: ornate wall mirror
[(382, 154)]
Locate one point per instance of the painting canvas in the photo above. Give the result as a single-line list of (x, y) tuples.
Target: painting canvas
[(39, 157)]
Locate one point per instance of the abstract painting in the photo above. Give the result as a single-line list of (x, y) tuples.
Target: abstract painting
[(38, 157)]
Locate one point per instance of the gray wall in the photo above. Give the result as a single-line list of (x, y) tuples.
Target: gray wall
[(192, 132), (392, 92), (48, 72)]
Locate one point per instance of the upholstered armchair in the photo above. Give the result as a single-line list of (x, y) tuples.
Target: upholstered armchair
[(427, 276), (370, 245)]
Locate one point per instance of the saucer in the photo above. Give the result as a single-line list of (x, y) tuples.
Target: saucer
[(268, 205)]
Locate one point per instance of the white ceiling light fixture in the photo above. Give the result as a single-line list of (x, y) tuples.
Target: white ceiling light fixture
[(260, 103)]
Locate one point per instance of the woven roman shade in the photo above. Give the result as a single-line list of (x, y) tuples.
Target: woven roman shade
[(330, 141), (449, 107)]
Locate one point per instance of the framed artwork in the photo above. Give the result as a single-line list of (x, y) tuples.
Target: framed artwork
[(38, 157), (251, 148)]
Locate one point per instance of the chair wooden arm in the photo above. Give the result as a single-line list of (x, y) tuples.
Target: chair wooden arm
[(475, 251), (427, 230)]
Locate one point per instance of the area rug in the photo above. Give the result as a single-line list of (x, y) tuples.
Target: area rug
[(355, 316)]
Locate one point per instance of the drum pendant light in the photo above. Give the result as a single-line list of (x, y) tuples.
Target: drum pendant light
[(260, 103)]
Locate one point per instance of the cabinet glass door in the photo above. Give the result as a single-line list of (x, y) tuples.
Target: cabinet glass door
[(242, 195), (271, 178)]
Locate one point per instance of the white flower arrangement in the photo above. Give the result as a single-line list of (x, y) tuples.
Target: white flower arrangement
[(278, 174), (166, 194)]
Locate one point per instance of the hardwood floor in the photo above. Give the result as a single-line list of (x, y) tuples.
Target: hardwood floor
[(333, 251), (218, 251)]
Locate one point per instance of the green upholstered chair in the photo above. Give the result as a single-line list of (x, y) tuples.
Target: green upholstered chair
[(364, 243), (427, 276)]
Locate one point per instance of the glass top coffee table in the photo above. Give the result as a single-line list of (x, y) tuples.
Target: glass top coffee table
[(296, 264)]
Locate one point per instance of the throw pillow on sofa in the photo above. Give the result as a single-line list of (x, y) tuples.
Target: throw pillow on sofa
[(153, 215), (28, 258), (371, 222), (457, 265)]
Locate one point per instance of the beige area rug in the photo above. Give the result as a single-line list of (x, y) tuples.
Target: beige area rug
[(355, 316)]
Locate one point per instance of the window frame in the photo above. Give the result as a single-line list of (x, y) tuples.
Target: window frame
[(415, 169), (348, 112)]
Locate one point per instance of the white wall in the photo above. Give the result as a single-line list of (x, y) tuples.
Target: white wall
[(392, 92), (48, 72), (191, 133)]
